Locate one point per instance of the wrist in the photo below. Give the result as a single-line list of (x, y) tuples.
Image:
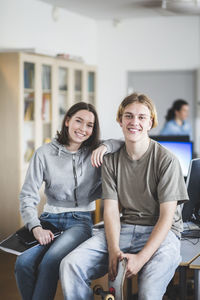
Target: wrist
[(113, 249), (143, 256), (35, 227)]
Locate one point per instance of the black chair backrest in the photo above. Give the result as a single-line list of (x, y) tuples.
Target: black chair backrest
[(191, 209)]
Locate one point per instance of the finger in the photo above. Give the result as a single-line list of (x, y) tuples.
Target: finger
[(97, 158), (51, 236), (129, 275), (110, 274), (92, 159), (114, 269), (40, 240), (48, 237), (101, 158), (121, 256)]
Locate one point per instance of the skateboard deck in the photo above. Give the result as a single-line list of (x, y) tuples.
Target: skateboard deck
[(117, 285)]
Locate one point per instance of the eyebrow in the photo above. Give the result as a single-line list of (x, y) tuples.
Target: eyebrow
[(83, 120), (140, 114)]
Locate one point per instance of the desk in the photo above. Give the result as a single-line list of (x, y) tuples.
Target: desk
[(190, 250), (196, 266)]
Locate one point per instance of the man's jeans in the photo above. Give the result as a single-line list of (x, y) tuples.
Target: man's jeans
[(90, 261), (37, 269)]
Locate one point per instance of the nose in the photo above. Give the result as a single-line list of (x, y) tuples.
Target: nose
[(134, 120), (83, 127)]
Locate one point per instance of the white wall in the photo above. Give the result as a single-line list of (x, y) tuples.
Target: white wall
[(28, 23), (161, 43)]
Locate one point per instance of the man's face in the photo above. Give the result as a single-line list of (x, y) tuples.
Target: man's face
[(136, 122)]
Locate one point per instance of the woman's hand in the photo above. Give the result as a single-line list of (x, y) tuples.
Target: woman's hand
[(43, 236), (97, 156)]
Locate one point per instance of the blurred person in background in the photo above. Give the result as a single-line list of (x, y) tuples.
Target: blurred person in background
[(176, 119)]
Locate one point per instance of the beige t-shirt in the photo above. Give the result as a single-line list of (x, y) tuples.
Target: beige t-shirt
[(141, 185)]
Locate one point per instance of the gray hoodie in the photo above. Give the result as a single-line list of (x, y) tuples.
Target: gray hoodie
[(70, 179)]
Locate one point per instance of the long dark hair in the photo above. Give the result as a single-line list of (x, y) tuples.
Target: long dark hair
[(63, 135), (177, 105)]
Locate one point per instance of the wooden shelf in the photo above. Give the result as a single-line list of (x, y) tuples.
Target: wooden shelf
[(21, 84)]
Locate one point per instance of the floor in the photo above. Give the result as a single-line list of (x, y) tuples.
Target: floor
[(8, 288)]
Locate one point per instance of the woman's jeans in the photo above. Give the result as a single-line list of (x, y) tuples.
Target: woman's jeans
[(90, 261), (37, 269)]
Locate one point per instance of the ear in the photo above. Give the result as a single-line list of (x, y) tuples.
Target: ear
[(67, 122)]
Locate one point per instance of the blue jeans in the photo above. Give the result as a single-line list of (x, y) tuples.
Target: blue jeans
[(90, 261), (37, 269)]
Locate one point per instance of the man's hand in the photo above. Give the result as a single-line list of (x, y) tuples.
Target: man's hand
[(134, 263), (97, 156), (114, 257), (43, 236)]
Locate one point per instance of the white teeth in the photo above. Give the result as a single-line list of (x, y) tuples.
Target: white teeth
[(133, 130), (80, 134)]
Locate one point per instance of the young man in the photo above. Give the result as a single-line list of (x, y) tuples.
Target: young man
[(146, 181)]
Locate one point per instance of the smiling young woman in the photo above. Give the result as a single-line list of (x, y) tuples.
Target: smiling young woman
[(72, 184)]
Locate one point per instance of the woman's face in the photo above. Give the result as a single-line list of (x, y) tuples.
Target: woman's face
[(80, 126), (183, 113)]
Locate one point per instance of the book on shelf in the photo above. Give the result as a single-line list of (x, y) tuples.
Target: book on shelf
[(28, 111), (23, 239)]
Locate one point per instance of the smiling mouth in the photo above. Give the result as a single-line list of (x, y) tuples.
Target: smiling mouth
[(133, 130), (81, 135)]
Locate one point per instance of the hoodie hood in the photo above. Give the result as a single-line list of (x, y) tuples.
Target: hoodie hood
[(62, 149)]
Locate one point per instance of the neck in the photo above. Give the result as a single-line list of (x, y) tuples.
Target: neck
[(179, 121), (137, 149), (73, 147)]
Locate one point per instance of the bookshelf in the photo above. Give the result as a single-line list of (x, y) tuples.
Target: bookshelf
[(36, 91)]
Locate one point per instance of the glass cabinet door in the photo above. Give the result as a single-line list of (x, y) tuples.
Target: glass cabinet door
[(78, 85), (46, 113), (91, 87), (29, 111), (63, 93)]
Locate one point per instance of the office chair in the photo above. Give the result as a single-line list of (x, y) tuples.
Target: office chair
[(191, 209)]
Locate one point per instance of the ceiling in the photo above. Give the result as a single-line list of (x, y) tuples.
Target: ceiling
[(113, 9)]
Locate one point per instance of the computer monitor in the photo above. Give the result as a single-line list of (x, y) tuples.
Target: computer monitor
[(191, 209), (183, 150), (171, 138)]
